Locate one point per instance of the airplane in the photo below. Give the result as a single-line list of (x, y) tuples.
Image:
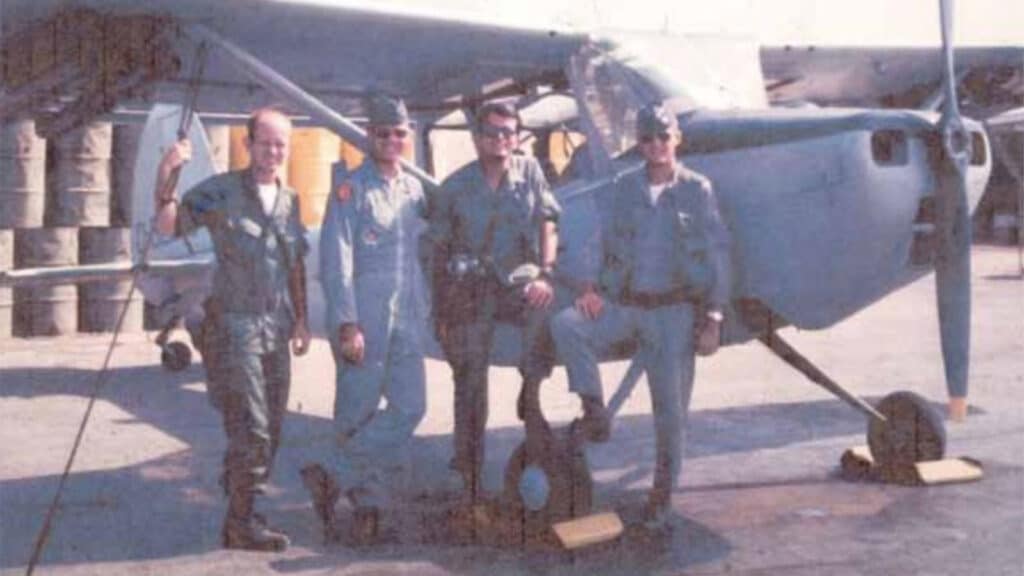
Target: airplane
[(870, 200), (990, 88)]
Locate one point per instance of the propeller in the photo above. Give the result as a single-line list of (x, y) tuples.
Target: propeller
[(953, 228)]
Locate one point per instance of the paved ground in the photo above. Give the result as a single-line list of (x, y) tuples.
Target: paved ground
[(759, 493)]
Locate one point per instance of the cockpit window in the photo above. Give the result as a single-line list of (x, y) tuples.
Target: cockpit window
[(608, 102), (614, 76)]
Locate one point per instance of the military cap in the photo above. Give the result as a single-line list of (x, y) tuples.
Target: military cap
[(385, 111), (654, 119)]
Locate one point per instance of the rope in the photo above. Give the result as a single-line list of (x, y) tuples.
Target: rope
[(101, 376)]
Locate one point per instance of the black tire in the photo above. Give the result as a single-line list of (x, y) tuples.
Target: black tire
[(913, 432), (176, 356)]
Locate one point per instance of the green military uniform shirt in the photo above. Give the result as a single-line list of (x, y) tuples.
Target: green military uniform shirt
[(254, 253)]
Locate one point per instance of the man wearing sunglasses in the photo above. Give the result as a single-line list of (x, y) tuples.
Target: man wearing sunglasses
[(494, 216), (375, 293), (664, 282)]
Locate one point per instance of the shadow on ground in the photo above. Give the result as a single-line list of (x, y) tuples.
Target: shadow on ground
[(172, 505)]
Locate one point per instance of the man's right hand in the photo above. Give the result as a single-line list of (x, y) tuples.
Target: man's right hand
[(176, 156), (353, 347), (589, 304)]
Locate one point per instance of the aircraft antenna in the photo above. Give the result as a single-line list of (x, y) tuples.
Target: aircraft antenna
[(101, 377)]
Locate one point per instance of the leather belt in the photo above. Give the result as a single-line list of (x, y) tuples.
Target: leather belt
[(649, 300)]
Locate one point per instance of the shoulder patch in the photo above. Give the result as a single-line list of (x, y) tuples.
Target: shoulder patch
[(344, 191)]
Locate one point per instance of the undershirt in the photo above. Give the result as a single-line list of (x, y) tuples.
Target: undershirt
[(267, 193), (655, 192)]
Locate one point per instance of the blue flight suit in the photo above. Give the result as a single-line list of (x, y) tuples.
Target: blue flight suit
[(371, 277), (662, 264), (467, 213), (249, 316)]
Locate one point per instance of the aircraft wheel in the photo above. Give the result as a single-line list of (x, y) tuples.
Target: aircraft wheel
[(546, 482), (913, 432), (176, 356)]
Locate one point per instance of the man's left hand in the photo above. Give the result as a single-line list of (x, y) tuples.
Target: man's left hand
[(539, 293), (709, 336), (301, 338)]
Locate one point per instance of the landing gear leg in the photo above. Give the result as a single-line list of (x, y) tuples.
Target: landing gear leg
[(902, 429)]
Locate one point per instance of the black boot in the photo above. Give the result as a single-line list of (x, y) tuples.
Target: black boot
[(243, 532), (595, 425), (365, 525), (324, 491)]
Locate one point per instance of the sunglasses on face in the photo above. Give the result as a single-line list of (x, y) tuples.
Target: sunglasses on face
[(492, 131), (386, 133), (661, 136)]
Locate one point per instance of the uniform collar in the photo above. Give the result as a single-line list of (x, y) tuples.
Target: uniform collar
[(374, 172), (679, 174), (513, 176), (251, 188)]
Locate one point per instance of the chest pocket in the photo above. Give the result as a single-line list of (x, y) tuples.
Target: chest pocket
[(693, 258), (244, 238), (376, 221)]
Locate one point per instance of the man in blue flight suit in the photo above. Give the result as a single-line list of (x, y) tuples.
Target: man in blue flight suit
[(376, 302), (493, 216), (664, 281), (258, 304)]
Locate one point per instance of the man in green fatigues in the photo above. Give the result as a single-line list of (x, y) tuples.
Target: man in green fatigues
[(493, 216), (258, 304)]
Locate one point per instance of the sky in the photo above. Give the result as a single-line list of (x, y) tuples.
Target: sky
[(843, 22)]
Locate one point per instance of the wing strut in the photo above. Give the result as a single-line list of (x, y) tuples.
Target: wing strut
[(790, 356), (285, 88)]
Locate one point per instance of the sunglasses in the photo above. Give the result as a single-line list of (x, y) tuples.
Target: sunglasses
[(385, 133), (492, 131), (662, 136)]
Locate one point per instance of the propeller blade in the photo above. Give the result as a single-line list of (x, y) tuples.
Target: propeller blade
[(953, 226)]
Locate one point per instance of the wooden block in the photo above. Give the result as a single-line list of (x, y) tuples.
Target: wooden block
[(862, 453), (948, 470), (588, 530)]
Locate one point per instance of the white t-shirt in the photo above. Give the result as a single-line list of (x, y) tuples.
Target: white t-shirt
[(268, 193), (655, 192)]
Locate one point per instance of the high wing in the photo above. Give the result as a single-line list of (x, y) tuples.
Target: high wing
[(64, 63), (991, 78), (340, 53)]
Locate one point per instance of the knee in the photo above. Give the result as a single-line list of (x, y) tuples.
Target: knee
[(566, 328), (561, 325)]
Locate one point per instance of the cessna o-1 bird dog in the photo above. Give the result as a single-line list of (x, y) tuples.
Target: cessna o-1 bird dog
[(829, 209)]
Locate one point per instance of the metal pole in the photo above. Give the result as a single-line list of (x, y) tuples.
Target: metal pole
[(627, 384), (290, 91)]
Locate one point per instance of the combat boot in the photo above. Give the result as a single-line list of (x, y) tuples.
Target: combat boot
[(365, 529), (324, 491), (595, 424), (242, 531)]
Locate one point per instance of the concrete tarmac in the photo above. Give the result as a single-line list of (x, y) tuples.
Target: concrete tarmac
[(759, 493)]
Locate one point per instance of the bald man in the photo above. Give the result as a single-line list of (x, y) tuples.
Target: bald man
[(257, 306)]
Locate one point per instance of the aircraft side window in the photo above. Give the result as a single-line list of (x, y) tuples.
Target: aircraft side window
[(889, 148)]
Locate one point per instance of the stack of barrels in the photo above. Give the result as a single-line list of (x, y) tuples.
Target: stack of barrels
[(56, 210), (66, 201)]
